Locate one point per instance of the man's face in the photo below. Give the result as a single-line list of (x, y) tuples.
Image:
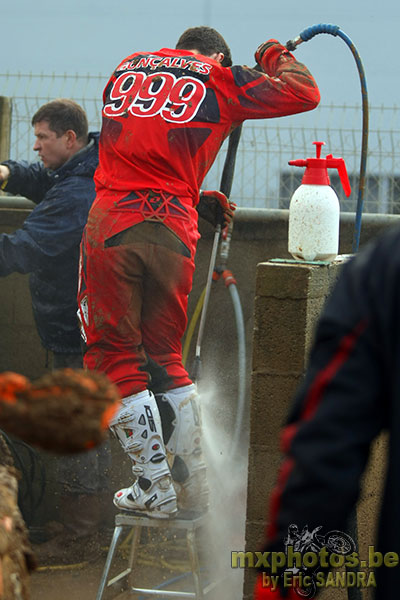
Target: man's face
[(52, 150)]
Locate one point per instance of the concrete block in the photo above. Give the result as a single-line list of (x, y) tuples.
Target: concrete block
[(271, 395), (371, 491), (255, 535), (262, 475), (254, 543), (279, 335), (282, 280), (296, 279), (314, 308)]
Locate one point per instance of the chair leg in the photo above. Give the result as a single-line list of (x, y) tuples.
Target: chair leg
[(110, 557), (194, 563), (132, 554), (136, 524)]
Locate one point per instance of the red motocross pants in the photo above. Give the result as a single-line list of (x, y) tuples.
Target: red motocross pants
[(136, 273)]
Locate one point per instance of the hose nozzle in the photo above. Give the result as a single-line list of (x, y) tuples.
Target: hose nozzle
[(310, 32), (292, 44)]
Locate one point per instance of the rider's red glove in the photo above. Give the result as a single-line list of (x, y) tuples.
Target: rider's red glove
[(215, 207)]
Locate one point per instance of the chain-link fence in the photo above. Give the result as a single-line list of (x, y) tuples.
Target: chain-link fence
[(262, 176)]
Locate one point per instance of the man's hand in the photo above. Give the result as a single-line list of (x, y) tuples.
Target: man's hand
[(4, 173), (215, 207)]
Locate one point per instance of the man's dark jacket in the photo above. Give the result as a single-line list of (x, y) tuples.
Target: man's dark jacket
[(47, 245)]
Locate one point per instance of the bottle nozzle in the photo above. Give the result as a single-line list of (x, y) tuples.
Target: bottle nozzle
[(318, 146), (316, 169)]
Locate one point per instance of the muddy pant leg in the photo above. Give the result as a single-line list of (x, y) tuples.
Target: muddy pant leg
[(133, 301), (110, 306)]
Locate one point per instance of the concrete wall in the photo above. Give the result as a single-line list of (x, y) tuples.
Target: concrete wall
[(258, 236)]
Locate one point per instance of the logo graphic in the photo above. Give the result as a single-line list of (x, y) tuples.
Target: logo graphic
[(313, 560), (150, 418), (313, 548)]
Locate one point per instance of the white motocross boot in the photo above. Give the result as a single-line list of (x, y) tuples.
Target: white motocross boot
[(181, 421), (138, 429)]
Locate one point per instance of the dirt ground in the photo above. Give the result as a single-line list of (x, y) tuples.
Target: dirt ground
[(69, 584), (159, 562), (83, 583), (163, 556)]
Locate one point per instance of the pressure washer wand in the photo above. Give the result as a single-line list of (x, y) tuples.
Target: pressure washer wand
[(225, 187), (196, 369), (308, 34)]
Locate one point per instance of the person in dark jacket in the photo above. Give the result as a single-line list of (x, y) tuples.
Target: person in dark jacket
[(47, 247), (350, 394)]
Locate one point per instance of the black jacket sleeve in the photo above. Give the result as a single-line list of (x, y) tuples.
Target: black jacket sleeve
[(31, 180), (53, 228)]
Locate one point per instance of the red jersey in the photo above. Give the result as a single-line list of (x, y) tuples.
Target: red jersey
[(167, 113), (165, 116)]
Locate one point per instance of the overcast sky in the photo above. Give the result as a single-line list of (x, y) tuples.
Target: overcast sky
[(81, 36)]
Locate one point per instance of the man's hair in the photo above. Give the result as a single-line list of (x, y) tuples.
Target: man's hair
[(207, 41), (63, 114)]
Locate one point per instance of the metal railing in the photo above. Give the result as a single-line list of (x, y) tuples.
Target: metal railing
[(263, 178)]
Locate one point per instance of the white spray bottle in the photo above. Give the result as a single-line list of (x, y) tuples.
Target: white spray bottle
[(314, 212)]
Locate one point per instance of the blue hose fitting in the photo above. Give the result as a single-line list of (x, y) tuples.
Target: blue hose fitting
[(310, 32)]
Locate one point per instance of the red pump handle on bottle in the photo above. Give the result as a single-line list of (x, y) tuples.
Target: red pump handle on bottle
[(316, 172)]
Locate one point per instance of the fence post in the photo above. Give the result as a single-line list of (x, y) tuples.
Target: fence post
[(5, 127)]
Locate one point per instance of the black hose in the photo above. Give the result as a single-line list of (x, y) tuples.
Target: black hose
[(230, 161)]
